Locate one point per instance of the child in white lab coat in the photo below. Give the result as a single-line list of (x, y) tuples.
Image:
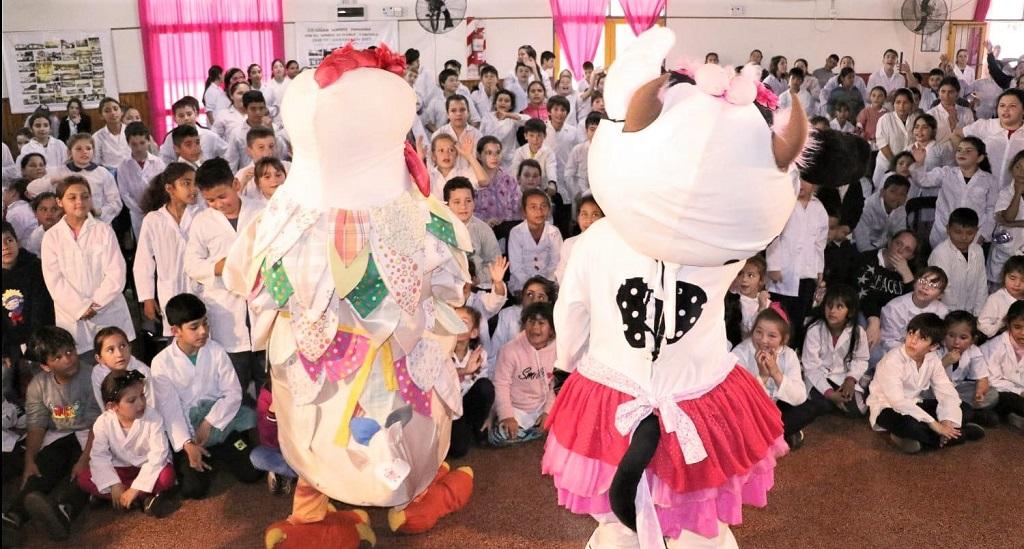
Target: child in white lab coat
[(84, 270), (114, 353), (170, 206), (200, 401), (963, 260), (835, 355), (796, 259), (105, 196), (534, 246), (884, 214), (1004, 355), (536, 289), (767, 356), (469, 358), (746, 299), (129, 463), (895, 395), (135, 173), (966, 367), (213, 231), (588, 212), (990, 319), (896, 314)]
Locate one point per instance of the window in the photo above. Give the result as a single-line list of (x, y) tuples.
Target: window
[(616, 36)]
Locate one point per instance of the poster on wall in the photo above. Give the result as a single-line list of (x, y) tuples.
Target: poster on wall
[(314, 40), (49, 68)]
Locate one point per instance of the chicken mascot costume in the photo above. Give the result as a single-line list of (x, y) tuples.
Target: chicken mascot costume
[(359, 267), (657, 433)]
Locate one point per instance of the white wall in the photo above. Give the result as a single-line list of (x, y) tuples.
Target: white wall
[(795, 28)]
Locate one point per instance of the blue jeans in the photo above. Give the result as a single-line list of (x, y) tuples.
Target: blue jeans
[(270, 459)]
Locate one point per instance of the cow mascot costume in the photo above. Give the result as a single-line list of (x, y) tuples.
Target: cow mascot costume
[(657, 433), (360, 268)]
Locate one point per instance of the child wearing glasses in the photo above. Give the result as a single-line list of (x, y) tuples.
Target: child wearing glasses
[(896, 315)]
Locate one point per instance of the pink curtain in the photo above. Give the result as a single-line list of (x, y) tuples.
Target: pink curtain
[(981, 9), (641, 14), (578, 25), (181, 39)]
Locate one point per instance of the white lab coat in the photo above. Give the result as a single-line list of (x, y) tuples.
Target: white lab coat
[(561, 142), (211, 144), (55, 151), (182, 385), (209, 240), (488, 304), (82, 271), (791, 390), (100, 372), (473, 133), (237, 153), (436, 114), (577, 176), (999, 147), (544, 156), (964, 116), (891, 82), (144, 445), (110, 149), (1005, 370), (21, 217), (999, 253), (216, 100), (132, 182), (159, 268), (34, 242), (505, 131), (899, 383), (979, 194), (876, 227), (990, 319), (105, 196), (799, 252), (971, 366), (896, 315), (225, 121), (895, 133), (825, 361), (527, 257), (968, 285)]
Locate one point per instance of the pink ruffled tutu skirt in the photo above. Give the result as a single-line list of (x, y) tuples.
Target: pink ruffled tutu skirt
[(739, 425)]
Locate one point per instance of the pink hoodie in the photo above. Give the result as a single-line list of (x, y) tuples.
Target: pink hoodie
[(522, 377)]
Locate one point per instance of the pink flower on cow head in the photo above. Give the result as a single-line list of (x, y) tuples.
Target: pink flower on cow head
[(347, 58)]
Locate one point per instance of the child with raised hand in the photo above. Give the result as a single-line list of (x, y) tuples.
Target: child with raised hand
[(497, 199), (928, 153), (113, 354), (186, 111), (537, 289), (469, 358), (47, 211), (534, 246), (1004, 355), (53, 150), (17, 211), (767, 356), (961, 257), (896, 314), (589, 212), (105, 196), (990, 319), (746, 299), (969, 184), (84, 269), (835, 354), (200, 400), (896, 398), (135, 173), (950, 115), (442, 168), (170, 206), (26, 301), (867, 118), (111, 141), (884, 214), (459, 195), (129, 463), (502, 123), (60, 411), (966, 367), (210, 237), (523, 390)]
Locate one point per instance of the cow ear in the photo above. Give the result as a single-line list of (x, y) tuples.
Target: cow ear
[(634, 67), (645, 105)]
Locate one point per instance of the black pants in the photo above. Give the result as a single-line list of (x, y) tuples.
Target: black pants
[(250, 367), (232, 454), (1010, 403), (476, 407), (905, 426), (795, 418), (55, 463), (798, 307)]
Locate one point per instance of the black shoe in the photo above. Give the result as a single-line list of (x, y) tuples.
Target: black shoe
[(276, 483), (905, 445), (1015, 420), (986, 418), (12, 519), (52, 517), (159, 505), (11, 536), (795, 440), (972, 431)]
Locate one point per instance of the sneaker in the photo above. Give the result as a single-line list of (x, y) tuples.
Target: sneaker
[(159, 505), (289, 485), (905, 445), (1015, 420), (972, 431), (795, 440), (54, 519), (276, 483)]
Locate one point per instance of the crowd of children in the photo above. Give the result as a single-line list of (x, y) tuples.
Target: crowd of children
[(900, 298)]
